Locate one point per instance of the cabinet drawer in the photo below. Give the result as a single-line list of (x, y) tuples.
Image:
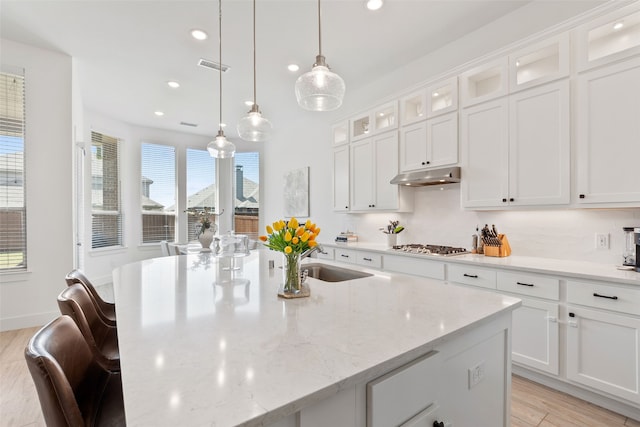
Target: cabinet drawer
[(529, 284), (609, 297), (418, 267), (369, 259), (474, 276), (345, 255)]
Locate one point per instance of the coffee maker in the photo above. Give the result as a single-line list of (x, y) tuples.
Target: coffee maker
[(636, 233)]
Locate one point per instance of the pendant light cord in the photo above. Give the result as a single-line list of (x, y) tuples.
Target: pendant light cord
[(220, 62), (254, 53), (319, 32)]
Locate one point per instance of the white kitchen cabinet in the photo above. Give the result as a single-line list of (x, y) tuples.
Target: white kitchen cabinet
[(535, 340), (341, 179), (374, 162), (431, 143), (472, 275), (609, 38), (484, 148), (415, 266), (369, 259), (340, 133), (442, 97), (484, 82), (346, 255), (516, 150), (413, 107), (379, 119), (539, 63), (602, 352), (608, 134)]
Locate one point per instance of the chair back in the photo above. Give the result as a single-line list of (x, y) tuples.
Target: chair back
[(62, 367), (105, 309), (76, 303)]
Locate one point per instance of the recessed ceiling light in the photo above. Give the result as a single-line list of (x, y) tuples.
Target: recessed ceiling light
[(159, 113), (293, 67), (199, 34), (618, 25), (436, 94), (173, 85), (374, 4)]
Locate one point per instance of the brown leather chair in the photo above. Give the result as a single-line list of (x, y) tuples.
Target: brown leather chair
[(73, 389), (102, 338), (107, 310)]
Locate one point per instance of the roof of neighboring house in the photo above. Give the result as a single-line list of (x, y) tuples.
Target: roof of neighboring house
[(206, 197), (149, 204)]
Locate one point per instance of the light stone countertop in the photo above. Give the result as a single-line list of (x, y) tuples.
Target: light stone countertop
[(566, 268), (202, 345)]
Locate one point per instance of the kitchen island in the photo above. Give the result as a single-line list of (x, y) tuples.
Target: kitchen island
[(204, 344)]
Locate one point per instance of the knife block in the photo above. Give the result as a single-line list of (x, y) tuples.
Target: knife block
[(499, 251)]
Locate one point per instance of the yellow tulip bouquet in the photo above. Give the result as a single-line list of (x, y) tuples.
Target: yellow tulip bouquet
[(292, 239)]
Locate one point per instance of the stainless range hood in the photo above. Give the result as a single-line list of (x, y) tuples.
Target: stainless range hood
[(442, 176)]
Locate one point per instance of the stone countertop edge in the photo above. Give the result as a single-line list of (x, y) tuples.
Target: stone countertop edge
[(569, 269)]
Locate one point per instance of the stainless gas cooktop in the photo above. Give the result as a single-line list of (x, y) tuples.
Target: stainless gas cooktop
[(436, 250)]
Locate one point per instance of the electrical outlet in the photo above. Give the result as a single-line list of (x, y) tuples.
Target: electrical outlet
[(476, 374), (602, 241)]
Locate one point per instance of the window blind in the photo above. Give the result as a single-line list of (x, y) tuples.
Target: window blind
[(13, 211), (158, 195), (201, 186), (106, 211), (247, 197)]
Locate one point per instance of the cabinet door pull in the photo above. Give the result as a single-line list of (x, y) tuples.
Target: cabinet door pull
[(473, 276), (511, 199), (595, 294), (525, 284), (344, 256), (367, 259), (504, 200), (582, 196)]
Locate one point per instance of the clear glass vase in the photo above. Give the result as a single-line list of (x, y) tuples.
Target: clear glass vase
[(293, 285)]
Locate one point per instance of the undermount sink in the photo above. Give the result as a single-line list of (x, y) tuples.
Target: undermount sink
[(329, 273)]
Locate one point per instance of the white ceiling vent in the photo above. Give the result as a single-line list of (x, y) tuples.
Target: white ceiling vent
[(193, 125), (212, 65)]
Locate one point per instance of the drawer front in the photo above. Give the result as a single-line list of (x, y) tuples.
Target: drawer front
[(417, 267), (529, 284), (369, 259), (608, 297), (346, 255), (473, 276)]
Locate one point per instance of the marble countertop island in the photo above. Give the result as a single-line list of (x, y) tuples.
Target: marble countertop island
[(201, 344)]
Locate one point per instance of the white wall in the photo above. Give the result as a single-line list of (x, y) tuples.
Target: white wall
[(28, 299)]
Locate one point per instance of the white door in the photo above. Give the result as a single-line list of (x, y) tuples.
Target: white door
[(413, 147), (608, 134), (385, 155), (602, 352), (534, 341), (442, 140), (341, 179), (539, 146), (361, 175), (485, 154)]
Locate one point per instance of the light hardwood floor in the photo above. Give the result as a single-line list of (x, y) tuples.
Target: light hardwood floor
[(532, 404)]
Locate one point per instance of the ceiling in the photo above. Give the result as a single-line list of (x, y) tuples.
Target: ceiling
[(126, 51)]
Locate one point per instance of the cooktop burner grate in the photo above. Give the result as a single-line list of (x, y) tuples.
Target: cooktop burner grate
[(438, 250)]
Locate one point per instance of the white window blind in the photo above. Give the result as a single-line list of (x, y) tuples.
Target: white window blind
[(158, 195), (247, 194), (13, 215), (201, 186), (106, 211)]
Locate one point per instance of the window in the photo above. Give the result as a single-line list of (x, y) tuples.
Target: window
[(158, 196), (13, 215), (201, 186), (247, 198), (106, 212)]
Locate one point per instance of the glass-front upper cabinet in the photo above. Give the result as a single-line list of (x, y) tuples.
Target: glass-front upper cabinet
[(413, 107), (442, 97), (609, 38), (340, 133), (539, 63), (385, 117), (360, 126), (485, 82)]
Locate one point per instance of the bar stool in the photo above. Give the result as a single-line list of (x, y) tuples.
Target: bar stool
[(106, 310)]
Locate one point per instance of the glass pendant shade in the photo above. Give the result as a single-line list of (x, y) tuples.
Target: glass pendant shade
[(254, 127), (320, 89), (221, 147)]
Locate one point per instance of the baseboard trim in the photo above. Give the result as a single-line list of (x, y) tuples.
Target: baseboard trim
[(21, 322), (576, 391)]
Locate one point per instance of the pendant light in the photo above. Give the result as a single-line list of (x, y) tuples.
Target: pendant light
[(221, 147), (254, 127), (320, 89)]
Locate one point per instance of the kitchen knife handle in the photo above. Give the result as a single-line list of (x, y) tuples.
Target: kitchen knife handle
[(473, 276), (525, 284), (595, 294)]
